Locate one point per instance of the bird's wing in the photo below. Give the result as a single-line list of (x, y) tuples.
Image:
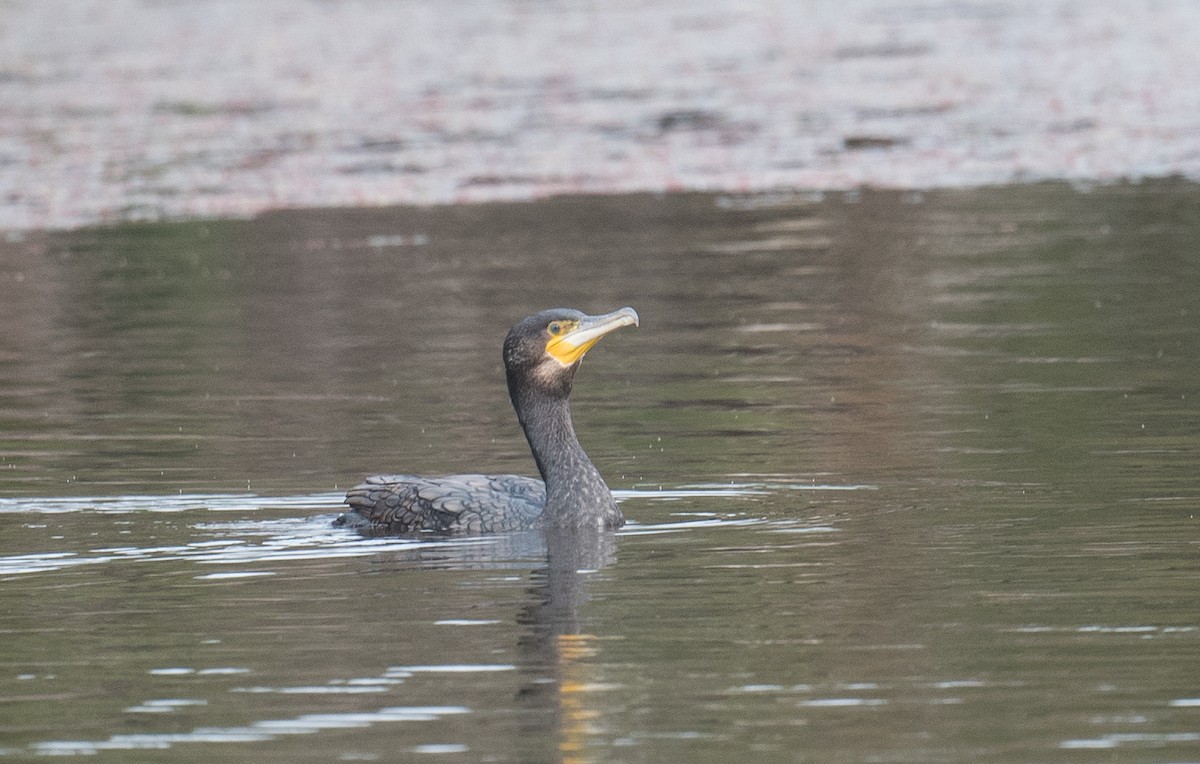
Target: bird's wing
[(452, 504)]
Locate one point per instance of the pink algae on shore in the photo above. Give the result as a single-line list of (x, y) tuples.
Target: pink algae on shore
[(126, 109)]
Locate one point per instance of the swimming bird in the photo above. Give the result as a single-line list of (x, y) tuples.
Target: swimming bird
[(541, 355)]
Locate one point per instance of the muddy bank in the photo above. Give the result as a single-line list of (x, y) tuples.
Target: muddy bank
[(128, 110)]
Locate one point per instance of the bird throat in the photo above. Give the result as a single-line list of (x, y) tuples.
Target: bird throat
[(576, 494)]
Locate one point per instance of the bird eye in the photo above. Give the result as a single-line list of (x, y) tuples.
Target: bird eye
[(554, 328)]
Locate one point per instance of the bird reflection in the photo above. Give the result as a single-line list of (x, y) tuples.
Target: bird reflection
[(555, 650)]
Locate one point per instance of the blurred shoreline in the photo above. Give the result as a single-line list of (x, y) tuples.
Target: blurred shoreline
[(135, 110)]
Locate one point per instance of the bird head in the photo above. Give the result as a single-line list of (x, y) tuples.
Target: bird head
[(545, 349)]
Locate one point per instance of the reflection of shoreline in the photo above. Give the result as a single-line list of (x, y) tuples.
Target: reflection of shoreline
[(185, 113)]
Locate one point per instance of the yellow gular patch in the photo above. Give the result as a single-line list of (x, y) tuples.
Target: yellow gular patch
[(559, 345), (568, 339)]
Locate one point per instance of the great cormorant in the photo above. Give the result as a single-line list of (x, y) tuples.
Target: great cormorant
[(541, 355)]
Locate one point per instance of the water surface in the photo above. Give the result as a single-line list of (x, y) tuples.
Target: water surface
[(911, 477)]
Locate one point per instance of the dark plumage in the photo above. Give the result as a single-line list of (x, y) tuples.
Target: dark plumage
[(541, 355)]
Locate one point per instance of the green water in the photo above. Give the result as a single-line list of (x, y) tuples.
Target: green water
[(912, 478)]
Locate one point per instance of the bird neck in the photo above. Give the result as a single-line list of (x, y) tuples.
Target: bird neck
[(576, 494)]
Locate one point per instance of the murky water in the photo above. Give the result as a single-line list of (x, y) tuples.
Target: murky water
[(911, 478)]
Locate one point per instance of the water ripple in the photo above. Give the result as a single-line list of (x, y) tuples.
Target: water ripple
[(262, 543), (257, 732), (184, 502)]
